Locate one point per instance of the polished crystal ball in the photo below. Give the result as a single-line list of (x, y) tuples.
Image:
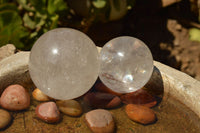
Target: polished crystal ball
[(64, 63), (126, 64)]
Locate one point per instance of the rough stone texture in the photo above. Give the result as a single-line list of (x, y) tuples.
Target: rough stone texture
[(6, 51), (14, 70)]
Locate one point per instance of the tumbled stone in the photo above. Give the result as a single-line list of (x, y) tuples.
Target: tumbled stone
[(5, 118), (102, 88), (48, 112), (100, 121), (102, 100), (140, 114), (40, 96), (70, 107), (15, 97), (141, 97)]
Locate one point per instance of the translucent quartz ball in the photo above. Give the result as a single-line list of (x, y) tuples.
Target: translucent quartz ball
[(64, 63), (126, 64)]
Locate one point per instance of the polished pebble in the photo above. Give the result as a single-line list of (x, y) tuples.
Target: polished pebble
[(40, 96), (140, 97), (48, 112), (102, 100), (100, 121), (102, 88), (5, 118), (140, 114), (70, 107), (15, 97)]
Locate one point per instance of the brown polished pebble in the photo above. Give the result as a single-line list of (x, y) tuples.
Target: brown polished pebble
[(102, 88), (70, 107), (15, 97), (140, 114), (40, 96), (48, 112), (102, 100), (140, 97), (5, 118), (100, 121)]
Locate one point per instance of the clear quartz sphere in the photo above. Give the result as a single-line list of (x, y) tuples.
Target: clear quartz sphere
[(126, 64), (64, 63)]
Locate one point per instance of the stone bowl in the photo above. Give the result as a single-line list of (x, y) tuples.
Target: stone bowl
[(171, 82)]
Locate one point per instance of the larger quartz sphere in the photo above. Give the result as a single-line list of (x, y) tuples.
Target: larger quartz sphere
[(64, 63), (126, 64)]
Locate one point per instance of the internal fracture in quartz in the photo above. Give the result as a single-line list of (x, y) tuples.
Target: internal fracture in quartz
[(126, 64), (64, 63)]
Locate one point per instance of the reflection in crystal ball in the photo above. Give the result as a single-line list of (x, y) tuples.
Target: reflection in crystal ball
[(126, 64), (64, 63)]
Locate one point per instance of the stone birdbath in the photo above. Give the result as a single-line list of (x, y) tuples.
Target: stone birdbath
[(177, 109)]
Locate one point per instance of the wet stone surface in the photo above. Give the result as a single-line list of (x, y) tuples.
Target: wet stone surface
[(168, 113)]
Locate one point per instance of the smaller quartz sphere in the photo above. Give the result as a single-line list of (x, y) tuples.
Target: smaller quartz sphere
[(126, 64), (64, 63)]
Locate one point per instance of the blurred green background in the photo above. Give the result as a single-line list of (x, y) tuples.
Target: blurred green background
[(23, 21)]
